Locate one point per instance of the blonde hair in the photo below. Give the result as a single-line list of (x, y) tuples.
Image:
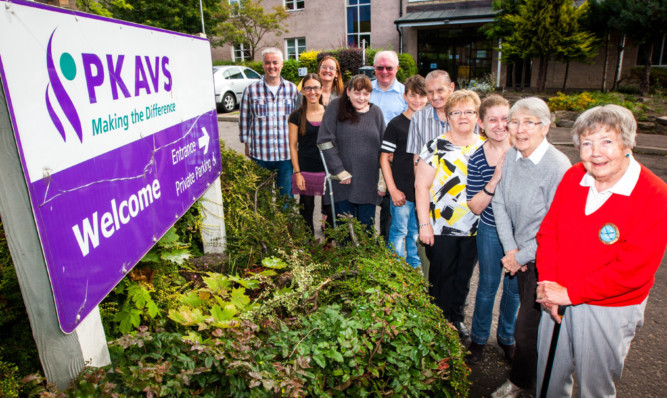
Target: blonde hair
[(460, 96)]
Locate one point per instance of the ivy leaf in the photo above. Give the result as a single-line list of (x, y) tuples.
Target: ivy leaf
[(187, 317), (223, 315), (152, 309), (192, 299), (319, 359), (217, 282), (239, 298), (335, 355), (151, 256), (170, 239), (177, 256), (129, 318), (247, 283), (274, 262)]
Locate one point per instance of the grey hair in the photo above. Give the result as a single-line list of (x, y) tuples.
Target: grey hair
[(613, 117), (391, 54), (533, 106), (434, 74), (272, 50)]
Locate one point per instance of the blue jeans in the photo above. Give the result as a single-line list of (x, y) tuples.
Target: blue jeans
[(284, 177), (490, 253), (365, 213), (403, 233)]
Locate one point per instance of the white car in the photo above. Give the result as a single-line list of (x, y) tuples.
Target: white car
[(230, 81)]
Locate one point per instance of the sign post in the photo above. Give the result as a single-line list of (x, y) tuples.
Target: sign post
[(112, 131)]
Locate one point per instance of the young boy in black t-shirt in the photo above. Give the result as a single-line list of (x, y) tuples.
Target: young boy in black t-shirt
[(399, 174)]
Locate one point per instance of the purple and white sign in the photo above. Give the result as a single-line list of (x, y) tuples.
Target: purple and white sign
[(118, 136)]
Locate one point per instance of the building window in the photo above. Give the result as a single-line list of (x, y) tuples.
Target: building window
[(294, 5), (295, 47), (232, 2), (358, 22), (659, 57), (240, 53)]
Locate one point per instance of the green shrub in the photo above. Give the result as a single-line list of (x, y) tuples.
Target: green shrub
[(657, 75), (350, 61), (9, 382), (17, 345), (407, 67), (308, 59), (255, 65), (292, 318), (291, 71), (571, 102), (585, 100)]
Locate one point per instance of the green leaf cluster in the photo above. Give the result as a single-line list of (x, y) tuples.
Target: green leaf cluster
[(247, 23), (580, 102), (288, 317), (176, 15)]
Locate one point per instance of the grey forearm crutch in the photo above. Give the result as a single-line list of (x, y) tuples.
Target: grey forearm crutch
[(322, 147)]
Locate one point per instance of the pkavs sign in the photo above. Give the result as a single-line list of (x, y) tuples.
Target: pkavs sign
[(117, 133)]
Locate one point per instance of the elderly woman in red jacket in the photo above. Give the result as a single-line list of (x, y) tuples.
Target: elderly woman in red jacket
[(599, 248)]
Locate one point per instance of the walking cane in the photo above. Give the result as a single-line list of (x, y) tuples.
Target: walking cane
[(327, 176), (552, 354)]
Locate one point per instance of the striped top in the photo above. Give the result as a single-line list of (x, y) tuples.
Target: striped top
[(479, 174)]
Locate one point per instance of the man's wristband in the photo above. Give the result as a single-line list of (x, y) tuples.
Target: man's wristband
[(487, 192), (424, 224), (297, 172)]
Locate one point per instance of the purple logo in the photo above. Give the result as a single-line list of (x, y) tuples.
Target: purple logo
[(68, 68), (151, 75)]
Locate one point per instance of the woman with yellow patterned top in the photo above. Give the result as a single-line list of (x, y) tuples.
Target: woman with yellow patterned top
[(446, 225)]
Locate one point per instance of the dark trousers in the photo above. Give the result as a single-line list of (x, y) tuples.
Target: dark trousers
[(524, 364), (385, 216), (452, 261), (307, 204)]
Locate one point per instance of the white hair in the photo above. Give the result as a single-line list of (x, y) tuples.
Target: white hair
[(386, 53), (272, 50)]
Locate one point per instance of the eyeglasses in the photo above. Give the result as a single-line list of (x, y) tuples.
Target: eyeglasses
[(527, 125), (460, 113), (326, 67), (387, 68), (314, 88)]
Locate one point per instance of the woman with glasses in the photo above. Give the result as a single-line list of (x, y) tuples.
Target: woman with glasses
[(304, 123), (532, 170), (331, 75), (446, 225), (350, 137)]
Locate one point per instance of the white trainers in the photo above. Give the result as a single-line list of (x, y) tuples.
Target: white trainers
[(507, 390)]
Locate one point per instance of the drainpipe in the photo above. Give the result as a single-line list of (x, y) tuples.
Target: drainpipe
[(500, 45), (399, 29)]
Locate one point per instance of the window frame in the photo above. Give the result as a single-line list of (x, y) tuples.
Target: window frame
[(245, 53), (293, 5), (358, 35), (295, 41)]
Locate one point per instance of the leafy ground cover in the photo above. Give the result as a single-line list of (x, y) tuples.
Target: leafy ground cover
[(278, 315)]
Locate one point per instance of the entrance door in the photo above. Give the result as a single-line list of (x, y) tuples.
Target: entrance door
[(463, 52)]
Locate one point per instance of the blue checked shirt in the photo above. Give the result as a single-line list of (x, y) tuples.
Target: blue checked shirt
[(263, 120), (391, 102)]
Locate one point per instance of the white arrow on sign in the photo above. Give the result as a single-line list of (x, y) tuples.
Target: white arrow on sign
[(203, 141)]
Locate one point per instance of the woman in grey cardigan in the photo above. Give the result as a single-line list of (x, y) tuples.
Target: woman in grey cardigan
[(533, 169), (350, 137)]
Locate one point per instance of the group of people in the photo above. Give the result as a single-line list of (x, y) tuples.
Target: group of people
[(470, 180)]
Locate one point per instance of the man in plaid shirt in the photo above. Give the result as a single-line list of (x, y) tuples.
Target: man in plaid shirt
[(264, 110)]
